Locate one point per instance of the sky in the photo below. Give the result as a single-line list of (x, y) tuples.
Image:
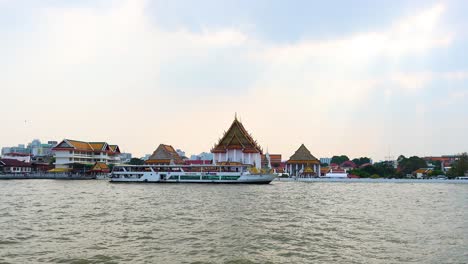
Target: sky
[(360, 78)]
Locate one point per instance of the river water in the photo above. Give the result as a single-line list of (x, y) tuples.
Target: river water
[(283, 222)]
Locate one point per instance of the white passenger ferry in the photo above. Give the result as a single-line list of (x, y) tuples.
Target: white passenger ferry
[(190, 174)]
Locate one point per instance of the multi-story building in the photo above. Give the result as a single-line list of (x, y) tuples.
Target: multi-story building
[(69, 152), (18, 149), (202, 156), (181, 153), (125, 157), (325, 161), (41, 149), (35, 148)]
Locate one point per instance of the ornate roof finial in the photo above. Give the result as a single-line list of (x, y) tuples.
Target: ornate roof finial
[(235, 115)]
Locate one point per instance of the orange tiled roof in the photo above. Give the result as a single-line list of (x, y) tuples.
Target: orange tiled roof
[(100, 167), (114, 148), (165, 153), (82, 145), (422, 170), (97, 145)]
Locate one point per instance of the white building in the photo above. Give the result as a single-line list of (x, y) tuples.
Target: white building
[(14, 166), (202, 156), (181, 153), (69, 152)]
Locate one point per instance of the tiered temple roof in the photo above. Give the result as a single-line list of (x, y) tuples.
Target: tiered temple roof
[(100, 167), (237, 137), (165, 154), (69, 144), (303, 156)]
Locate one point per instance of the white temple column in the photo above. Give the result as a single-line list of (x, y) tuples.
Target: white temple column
[(297, 167), (234, 158), (319, 171)]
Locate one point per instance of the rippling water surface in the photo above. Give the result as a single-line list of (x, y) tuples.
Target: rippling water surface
[(284, 222)]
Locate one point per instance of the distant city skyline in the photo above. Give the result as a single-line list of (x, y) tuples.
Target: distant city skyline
[(359, 78)]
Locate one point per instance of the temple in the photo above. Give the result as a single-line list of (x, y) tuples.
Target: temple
[(164, 155), (303, 164), (237, 147)]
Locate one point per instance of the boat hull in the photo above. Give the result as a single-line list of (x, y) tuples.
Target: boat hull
[(251, 179)]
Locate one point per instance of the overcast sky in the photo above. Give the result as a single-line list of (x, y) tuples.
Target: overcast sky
[(362, 78)]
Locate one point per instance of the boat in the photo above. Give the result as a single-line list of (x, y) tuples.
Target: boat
[(190, 174)]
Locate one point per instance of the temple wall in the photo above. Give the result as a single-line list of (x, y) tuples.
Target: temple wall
[(236, 155)]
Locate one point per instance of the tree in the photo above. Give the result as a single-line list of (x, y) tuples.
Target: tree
[(409, 165), (359, 172), (436, 173), (437, 165), (339, 159), (362, 160), (385, 169), (460, 166), (136, 161)]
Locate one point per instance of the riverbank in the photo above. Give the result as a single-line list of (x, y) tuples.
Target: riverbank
[(45, 176), (368, 180)]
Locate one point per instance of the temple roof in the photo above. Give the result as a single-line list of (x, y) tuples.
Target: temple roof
[(302, 154), (100, 167), (114, 148), (165, 153), (237, 137)]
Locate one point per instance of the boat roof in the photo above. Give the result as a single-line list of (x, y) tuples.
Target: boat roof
[(178, 166)]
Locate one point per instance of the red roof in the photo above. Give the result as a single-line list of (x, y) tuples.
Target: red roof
[(14, 163), (348, 164), (365, 165)]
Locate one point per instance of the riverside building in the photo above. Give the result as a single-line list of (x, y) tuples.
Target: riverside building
[(70, 152)]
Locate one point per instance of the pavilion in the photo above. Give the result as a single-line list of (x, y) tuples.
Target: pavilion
[(303, 164)]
